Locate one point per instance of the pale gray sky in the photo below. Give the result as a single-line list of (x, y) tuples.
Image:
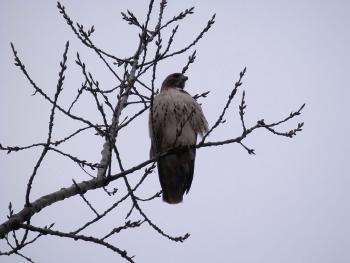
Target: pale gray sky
[(289, 203)]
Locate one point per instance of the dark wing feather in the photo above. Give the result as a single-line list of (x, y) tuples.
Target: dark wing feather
[(191, 163)]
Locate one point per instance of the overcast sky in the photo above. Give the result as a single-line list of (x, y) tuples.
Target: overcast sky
[(289, 203)]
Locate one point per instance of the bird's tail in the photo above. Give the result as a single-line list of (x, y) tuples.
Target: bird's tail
[(172, 196), (175, 175)]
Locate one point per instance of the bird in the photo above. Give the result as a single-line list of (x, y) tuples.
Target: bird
[(175, 120)]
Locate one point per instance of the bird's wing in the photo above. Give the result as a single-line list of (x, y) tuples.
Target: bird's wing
[(196, 118), (156, 119), (195, 123)]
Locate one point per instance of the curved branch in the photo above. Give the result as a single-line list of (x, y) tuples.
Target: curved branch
[(46, 231)]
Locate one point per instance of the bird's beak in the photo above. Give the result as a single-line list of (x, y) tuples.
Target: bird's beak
[(185, 78)]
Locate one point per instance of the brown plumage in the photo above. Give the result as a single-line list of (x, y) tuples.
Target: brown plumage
[(175, 121)]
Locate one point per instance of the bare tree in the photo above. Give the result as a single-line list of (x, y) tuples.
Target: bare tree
[(136, 95)]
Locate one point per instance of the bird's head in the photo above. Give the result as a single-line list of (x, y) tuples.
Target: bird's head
[(175, 80)]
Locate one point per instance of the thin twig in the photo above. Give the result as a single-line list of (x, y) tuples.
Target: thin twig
[(51, 123), (46, 231), (86, 201), (230, 98)]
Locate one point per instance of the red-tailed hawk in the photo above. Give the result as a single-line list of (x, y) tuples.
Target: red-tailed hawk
[(175, 121)]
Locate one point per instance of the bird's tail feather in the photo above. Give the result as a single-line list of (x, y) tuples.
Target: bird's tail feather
[(175, 175), (172, 197)]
